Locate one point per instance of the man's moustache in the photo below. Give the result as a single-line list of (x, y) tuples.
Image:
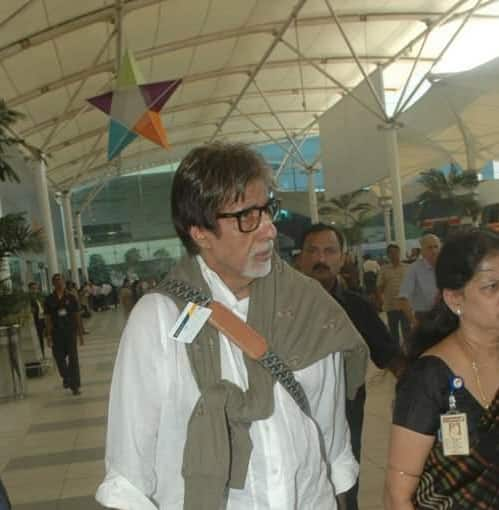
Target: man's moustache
[(320, 266)]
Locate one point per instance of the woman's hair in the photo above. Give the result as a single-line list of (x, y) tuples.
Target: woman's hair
[(457, 263)]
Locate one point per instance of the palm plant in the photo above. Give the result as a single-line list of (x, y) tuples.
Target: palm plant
[(16, 236), (441, 187), (8, 117), (353, 213)]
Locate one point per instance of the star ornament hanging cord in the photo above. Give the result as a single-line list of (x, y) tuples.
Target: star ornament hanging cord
[(134, 107)]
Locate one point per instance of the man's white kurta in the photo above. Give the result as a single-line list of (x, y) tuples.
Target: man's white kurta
[(153, 393)]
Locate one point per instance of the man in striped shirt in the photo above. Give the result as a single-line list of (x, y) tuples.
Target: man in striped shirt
[(389, 280)]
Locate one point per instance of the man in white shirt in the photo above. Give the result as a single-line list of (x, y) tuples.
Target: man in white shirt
[(201, 424)]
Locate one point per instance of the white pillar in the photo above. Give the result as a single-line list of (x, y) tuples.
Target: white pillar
[(398, 211), (68, 224), (385, 201), (388, 224), (42, 194), (312, 197), (81, 246)]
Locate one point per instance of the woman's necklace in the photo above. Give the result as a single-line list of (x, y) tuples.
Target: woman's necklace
[(474, 366)]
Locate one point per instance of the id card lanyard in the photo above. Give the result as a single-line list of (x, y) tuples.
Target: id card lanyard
[(454, 424)]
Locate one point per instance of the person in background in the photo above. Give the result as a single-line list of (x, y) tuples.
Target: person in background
[(389, 280), (136, 290), (36, 301), (444, 447), (71, 289), (106, 295), (371, 269), (126, 298), (370, 265), (85, 293), (62, 317), (323, 249), (418, 290), (92, 297), (414, 255), (350, 273)]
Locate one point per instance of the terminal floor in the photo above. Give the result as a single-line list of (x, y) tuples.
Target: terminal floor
[(52, 443)]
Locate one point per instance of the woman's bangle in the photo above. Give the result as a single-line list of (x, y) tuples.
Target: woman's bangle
[(403, 473)]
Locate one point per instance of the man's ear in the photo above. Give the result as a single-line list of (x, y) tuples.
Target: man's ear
[(453, 299), (343, 259), (200, 237)]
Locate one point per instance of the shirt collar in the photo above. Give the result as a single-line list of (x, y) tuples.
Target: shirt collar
[(218, 288), (426, 264), (337, 291)]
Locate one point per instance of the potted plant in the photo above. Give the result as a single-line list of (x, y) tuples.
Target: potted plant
[(16, 237)]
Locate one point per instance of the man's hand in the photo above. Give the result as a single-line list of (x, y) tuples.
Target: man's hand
[(341, 501)]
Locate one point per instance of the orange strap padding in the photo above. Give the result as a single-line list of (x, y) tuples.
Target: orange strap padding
[(245, 337)]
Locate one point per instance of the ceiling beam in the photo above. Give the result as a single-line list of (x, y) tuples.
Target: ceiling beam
[(107, 14), (212, 122), (103, 15), (218, 73), (180, 143), (192, 105), (105, 169)]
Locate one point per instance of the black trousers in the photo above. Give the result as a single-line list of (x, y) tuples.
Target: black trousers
[(65, 351), (355, 418), (396, 318), (40, 329)]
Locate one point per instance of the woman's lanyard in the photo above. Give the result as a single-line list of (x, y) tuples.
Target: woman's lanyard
[(454, 424)]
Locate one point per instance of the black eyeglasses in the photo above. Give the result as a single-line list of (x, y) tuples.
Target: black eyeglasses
[(249, 219)]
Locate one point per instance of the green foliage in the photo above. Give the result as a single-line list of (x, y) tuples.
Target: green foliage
[(16, 236), (98, 270), (7, 119), (446, 187), (132, 257), (162, 253), (353, 213), (14, 306)]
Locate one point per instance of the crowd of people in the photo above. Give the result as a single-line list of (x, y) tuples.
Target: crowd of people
[(248, 375)]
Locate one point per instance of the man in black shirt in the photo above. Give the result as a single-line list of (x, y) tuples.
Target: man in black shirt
[(321, 258), (63, 324)]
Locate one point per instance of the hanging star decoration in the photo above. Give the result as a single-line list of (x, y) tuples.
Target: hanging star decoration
[(134, 107)]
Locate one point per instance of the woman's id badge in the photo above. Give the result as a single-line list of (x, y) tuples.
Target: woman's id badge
[(454, 425), (454, 431)]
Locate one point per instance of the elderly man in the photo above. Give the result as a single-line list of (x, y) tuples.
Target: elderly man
[(322, 256), (207, 415), (418, 291)]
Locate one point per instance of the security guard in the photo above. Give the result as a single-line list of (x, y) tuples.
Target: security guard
[(63, 324)]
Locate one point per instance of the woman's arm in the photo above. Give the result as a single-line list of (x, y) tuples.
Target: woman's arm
[(407, 456)]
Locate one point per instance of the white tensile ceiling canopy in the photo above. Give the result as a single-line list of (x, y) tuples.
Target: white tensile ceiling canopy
[(253, 70)]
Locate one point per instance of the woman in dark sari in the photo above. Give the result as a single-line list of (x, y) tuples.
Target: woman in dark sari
[(444, 451), (4, 499)]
